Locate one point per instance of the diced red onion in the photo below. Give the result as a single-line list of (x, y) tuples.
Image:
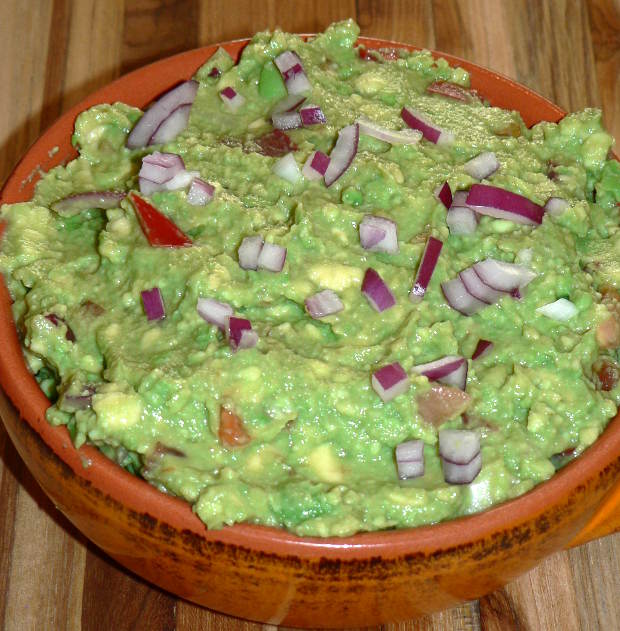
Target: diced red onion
[(502, 204), (444, 194), (459, 446), (312, 115), (477, 288), (556, 206), (232, 98), (77, 402), (459, 199), (315, 166), (390, 381), (215, 72), (450, 370), (425, 269), (172, 126), (249, 251), (290, 67), (376, 291), (461, 220), (343, 153), (379, 234), (200, 192), (286, 120), (56, 320), (561, 310), (147, 187), (153, 304), (461, 473), (482, 348), (74, 204), (288, 103), (286, 61), (181, 180), (459, 298), (160, 110), (161, 167), (214, 312), (272, 257), (482, 166), (394, 137), (325, 303), (431, 132), (286, 168), (240, 333), (503, 276), (410, 459)]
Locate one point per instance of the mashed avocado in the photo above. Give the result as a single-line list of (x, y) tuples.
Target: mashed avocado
[(290, 433)]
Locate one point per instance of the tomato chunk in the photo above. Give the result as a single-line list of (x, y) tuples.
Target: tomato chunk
[(231, 431), (441, 403), (157, 228), (607, 373)]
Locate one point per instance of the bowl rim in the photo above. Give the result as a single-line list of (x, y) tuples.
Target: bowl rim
[(137, 493)]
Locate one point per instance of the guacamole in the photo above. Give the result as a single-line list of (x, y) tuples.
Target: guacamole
[(283, 425)]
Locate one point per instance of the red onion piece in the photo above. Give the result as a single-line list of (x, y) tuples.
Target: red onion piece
[(56, 320), (286, 168), (292, 71), (503, 276), (214, 312), (450, 370), (482, 166), (431, 132), (410, 459), (556, 206), (161, 167), (181, 180), (182, 94), (286, 120), (200, 192), (561, 310), (272, 257), (461, 220), (444, 194), (390, 381), (425, 269), (379, 234), (215, 72), (474, 285), (502, 204), (376, 291), (171, 126), (459, 298), (459, 446), (325, 303), (394, 137), (240, 333), (312, 115), (75, 204), (288, 103), (461, 473), (343, 153), (249, 251), (315, 166), (153, 304), (459, 199), (232, 98), (286, 61), (482, 348)]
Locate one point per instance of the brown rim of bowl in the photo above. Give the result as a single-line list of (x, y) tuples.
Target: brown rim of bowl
[(136, 493)]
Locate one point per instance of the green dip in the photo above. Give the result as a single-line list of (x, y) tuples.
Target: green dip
[(319, 456)]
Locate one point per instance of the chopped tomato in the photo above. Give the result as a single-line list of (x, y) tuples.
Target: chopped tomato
[(157, 228), (92, 308), (231, 431), (275, 144), (607, 373), (441, 403), (452, 91)]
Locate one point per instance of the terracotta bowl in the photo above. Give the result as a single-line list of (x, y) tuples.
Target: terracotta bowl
[(266, 574)]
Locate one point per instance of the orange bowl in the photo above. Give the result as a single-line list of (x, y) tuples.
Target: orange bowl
[(266, 574)]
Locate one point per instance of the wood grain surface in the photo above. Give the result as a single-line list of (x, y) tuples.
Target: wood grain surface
[(54, 52)]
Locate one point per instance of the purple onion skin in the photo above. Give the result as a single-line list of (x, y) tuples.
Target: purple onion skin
[(430, 133), (427, 267), (56, 320), (483, 347), (484, 196), (445, 195), (377, 292)]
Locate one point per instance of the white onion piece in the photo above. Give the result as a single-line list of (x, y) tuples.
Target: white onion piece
[(286, 167), (74, 204), (394, 137), (450, 370), (461, 220), (249, 251), (182, 94), (232, 98), (325, 303), (459, 298), (474, 285), (459, 446), (379, 234), (430, 131), (315, 166), (286, 120), (288, 103), (461, 473), (272, 257), (556, 206), (561, 310), (160, 167), (426, 268), (240, 333), (376, 291), (390, 381), (200, 192), (502, 204), (503, 276), (172, 126), (482, 348), (343, 153), (312, 115), (482, 166), (181, 180), (214, 311), (410, 459), (444, 194)]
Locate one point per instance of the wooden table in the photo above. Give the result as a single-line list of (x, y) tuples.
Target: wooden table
[(53, 53)]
